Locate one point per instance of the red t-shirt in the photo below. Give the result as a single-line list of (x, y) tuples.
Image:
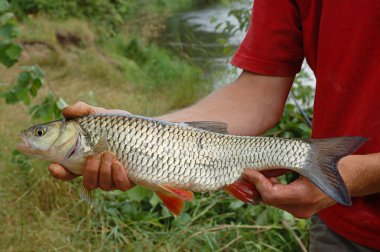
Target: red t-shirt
[(341, 43)]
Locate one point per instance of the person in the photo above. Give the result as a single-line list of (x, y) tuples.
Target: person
[(340, 40)]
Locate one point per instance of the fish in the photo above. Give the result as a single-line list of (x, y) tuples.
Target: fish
[(176, 159)]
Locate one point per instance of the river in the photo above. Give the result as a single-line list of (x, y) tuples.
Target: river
[(196, 35)]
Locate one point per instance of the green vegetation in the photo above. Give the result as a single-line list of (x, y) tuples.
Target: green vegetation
[(120, 68)]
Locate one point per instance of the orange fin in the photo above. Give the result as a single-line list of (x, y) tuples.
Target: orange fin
[(174, 204), (244, 191), (179, 193)]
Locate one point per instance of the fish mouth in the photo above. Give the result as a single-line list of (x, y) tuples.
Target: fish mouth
[(23, 144)]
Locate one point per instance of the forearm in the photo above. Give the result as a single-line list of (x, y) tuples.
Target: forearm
[(250, 106), (361, 174)]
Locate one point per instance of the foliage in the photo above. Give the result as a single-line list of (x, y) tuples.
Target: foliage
[(30, 79), (108, 17), (293, 123), (40, 213), (9, 51), (161, 71)]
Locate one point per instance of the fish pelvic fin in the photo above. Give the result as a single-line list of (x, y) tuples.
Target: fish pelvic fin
[(244, 191), (174, 204), (321, 165), (178, 193)]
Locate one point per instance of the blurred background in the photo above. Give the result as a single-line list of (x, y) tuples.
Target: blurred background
[(148, 57)]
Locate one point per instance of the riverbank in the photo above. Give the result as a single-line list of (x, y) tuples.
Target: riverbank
[(128, 70)]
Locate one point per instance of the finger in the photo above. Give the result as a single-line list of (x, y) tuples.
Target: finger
[(274, 181), (272, 194), (59, 172), (120, 177), (81, 108), (91, 172), (105, 173)]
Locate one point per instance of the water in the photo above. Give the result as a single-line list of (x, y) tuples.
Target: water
[(196, 34)]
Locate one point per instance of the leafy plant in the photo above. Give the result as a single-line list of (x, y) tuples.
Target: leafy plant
[(9, 50), (31, 78), (28, 82)]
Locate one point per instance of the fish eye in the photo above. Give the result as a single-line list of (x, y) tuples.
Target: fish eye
[(40, 131)]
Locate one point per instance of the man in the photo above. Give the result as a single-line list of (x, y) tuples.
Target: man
[(341, 42)]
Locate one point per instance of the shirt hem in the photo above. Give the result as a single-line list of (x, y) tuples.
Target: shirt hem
[(281, 69)]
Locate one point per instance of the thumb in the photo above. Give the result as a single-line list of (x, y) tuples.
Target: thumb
[(79, 109), (256, 178), (271, 193)]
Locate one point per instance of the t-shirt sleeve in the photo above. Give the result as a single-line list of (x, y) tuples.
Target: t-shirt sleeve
[(273, 44)]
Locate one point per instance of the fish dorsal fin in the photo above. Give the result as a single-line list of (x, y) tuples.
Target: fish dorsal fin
[(178, 193), (100, 146), (217, 127), (174, 204)]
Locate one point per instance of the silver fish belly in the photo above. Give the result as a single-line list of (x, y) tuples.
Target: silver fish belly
[(158, 152)]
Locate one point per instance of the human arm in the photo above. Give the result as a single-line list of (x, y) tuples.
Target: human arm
[(250, 105)]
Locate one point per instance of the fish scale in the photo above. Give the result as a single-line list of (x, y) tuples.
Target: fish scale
[(176, 159), (148, 145)]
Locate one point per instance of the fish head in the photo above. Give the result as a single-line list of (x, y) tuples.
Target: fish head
[(50, 141)]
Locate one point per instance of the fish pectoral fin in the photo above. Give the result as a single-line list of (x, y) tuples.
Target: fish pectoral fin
[(244, 191), (178, 193), (217, 127), (100, 146), (85, 194), (174, 204)]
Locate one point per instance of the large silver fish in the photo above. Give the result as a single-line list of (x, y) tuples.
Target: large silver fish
[(176, 159)]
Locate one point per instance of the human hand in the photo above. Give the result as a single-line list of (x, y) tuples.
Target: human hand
[(301, 198), (102, 170)]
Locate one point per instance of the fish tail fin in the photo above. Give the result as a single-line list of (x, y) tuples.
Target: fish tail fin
[(321, 165), (244, 191)]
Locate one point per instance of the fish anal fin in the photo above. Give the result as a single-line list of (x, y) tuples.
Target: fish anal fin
[(244, 191), (100, 146), (217, 127), (174, 204), (178, 193)]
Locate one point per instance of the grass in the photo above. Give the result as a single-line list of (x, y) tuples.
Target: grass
[(39, 213)]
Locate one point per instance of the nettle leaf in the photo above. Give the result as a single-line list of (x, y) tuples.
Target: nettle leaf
[(8, 31), (36, 85), (23, 79), (10, 97), (14, 51), (47, 110), (23, 95), (35, 70), (4, 6), (7, 18), (9, 53)]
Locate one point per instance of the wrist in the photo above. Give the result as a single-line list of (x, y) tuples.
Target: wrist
[(347, 168), (361, 173)]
